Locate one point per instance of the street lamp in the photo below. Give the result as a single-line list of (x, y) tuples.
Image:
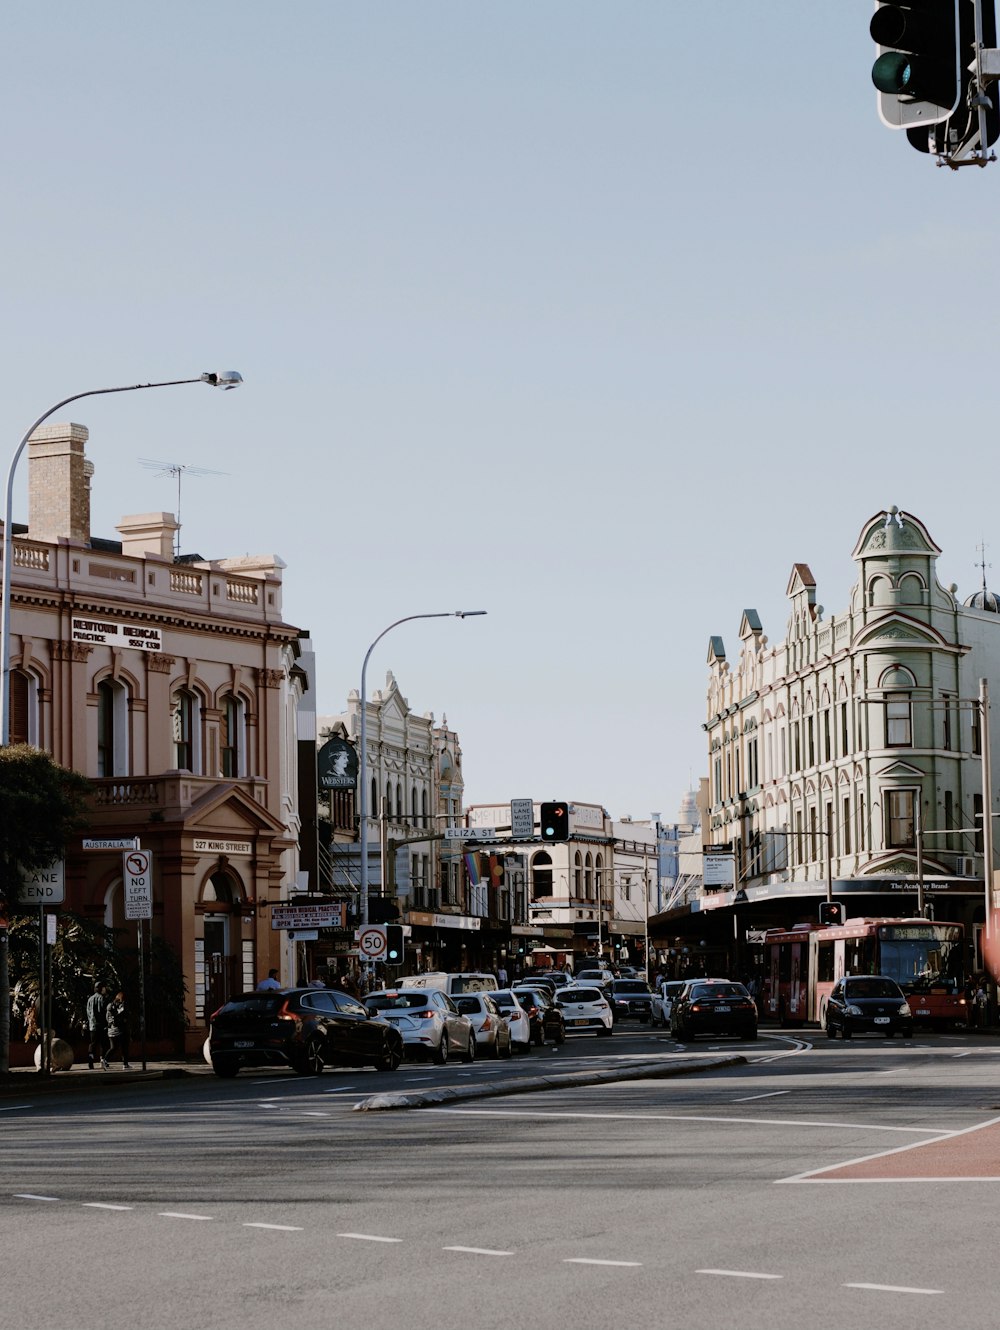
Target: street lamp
[(226, 379), (363, 741)]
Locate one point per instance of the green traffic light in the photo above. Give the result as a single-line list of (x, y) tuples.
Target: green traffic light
[(892, 72)]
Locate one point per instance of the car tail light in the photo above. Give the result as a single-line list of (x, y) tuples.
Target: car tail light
[(215, 1013), (285, 1012), (426, 1015), (487, 1024), (696, 1006)]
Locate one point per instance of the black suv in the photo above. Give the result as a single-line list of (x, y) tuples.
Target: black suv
[(303, 1028), (630, 997), (544, 1017)]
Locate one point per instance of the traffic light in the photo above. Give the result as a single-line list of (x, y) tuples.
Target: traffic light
[(960, 134), (831, 912), (394, 944), (555, 821), (917, 72)]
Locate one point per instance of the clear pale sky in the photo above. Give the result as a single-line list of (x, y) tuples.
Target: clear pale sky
[(598, 316)]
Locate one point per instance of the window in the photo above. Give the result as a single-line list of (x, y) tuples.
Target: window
[(949, 728), (112, 728), (186, 721), (845, 742), (898, 725), (232, 737), (827, 743), (24, 727), (541, 875), (578, 875), (424, 815), (845, 827), (899, 810)]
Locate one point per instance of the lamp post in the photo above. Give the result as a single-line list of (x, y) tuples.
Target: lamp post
[(227, 379), (363, 742)]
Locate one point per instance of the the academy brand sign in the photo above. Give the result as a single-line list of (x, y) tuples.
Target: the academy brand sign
[(108, 633)]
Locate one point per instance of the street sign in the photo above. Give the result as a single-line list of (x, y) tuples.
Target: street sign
[(303, 935), (522, 819), (718, 870), (371, 941), (337, 765), (46, 886), (470, 833), (328, 915), (112, 843), (137, 874)]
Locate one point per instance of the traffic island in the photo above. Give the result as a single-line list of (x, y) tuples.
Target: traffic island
[(636, 1072)]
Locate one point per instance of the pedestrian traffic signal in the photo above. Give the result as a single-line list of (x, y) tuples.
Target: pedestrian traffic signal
[(917, 71), (555, 821), (394, 944), (831, 912)]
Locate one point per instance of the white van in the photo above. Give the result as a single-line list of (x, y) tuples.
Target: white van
[(452, 984)]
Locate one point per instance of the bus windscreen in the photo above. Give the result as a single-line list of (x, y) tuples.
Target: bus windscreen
[(921, 957)]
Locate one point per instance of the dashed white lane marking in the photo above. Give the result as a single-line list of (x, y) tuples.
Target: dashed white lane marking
[(893, 1288), (479, 1251), (368, 1237), (31, 1196), (180, 1214), (102, 1205), (769, 1095), (15, 1108), (739, 1274), (279, 1228), (587, 1260), (967, 1054), (690, 1117)]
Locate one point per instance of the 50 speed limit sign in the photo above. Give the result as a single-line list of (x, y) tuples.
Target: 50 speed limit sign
[(371, 942)]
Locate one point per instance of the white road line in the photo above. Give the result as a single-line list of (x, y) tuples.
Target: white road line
[(279, 1228), (585, 1260), (815, 1174), (769, 1095), (893, 1288), (101, 1205), (30, 1196), (179, 1214), (368, 1237), (341, 1089), (964, 1055), (479, 1251), (691, 1117), (15, 1108), (739, 1274)]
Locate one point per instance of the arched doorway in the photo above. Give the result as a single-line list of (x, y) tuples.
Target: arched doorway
[(218, 945)]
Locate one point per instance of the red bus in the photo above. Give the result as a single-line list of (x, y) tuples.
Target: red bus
[(925, 957)]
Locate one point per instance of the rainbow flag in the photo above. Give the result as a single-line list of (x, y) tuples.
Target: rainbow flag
[(472, 867)]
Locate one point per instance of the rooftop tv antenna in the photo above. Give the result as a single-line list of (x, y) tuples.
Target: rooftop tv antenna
[(177, 469)]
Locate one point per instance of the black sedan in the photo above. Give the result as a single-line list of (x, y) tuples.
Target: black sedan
[(716, 1006), (303, 1028), (631, 997), (544, 1016), (867, 1004)]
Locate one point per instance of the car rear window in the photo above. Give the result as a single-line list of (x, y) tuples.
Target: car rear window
[(396, 1001), (471, 983), (254, 1004), (872, 988), (505, 999), (580, 995), (718, 991)]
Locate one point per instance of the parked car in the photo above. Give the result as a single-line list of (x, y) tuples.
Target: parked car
[(630, 998), (303, 1028), (867, 1004), (557, 977), (428, 1020), (492, 1031), (713, 1006), (585, 1007), (597, 975), (516, 1017), (546, 1019), (663, 1000)]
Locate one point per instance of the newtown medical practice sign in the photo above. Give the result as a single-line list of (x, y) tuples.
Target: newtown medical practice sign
[(107, 632)]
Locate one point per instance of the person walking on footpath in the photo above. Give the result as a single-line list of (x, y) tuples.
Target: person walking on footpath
[(271, 981), (97, 1024), (117, 1032)]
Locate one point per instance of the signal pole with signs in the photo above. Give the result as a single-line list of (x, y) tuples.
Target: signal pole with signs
[(137, 878)]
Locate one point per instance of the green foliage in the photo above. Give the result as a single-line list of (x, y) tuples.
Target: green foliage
[(41, 806)]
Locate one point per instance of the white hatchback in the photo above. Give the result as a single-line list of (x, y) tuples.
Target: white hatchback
[(584, 1008)]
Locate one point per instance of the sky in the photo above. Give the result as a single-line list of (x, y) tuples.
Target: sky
[(596, 316)]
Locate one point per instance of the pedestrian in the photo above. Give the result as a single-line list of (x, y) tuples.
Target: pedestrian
[(117, 1032), (97, 1024), (320, 980), (502, 976), (349, 984), (271, 981), (982, 1002)]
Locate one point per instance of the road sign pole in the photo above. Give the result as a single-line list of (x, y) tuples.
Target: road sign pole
[(142, 999), (40, 1004)]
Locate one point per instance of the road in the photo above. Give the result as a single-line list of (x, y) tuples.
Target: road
[(732, 1197)]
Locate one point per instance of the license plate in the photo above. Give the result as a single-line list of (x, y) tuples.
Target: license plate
[(923, 1011), (242, 1043), (723, 1009), (582, 1020), (881, 1020)]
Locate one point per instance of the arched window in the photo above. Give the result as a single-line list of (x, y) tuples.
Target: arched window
[(588, 876), (399, 801), (185, 715), (112, 728), (541, 874), (24, 726), (414, 807), (425, 815), (388, 799), (232, 737), (578, 875), (373, 808), (599, 876)]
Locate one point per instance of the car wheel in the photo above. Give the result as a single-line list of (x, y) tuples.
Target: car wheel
[(470, 1052), (844, 1031), (440, 1053), (831, 1030), (561, 1035), (605, 1032), (311, 1061), (390, 1059), (227, 1067)]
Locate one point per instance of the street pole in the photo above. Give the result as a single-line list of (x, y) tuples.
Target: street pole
[(363, 745), (919, 831), (984, 744)]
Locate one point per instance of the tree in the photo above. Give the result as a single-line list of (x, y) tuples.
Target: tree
[(41, 806)]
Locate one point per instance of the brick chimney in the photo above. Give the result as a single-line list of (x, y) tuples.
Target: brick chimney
[(59, 483)]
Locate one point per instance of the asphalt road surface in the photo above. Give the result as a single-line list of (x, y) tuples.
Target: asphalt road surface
[(820, 1184)]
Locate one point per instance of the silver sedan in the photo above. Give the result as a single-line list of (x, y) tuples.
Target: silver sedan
[(430, 1023)]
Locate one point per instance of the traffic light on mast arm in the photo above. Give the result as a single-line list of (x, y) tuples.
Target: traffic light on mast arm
[(961, 130), (831, 912), (555, 821), (917, 72), (393, 944)]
